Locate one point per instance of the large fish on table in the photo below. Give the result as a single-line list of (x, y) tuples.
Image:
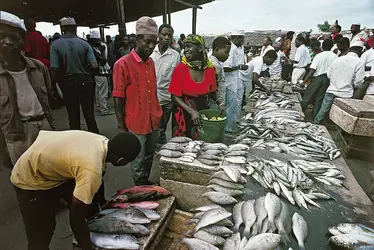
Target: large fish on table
[(197, 244), (220, 198), (212, 217), (273, 207), (114, 226), (283, 223), (351, 241), (249, 216), (300, 229), (115, 241), (233, 242), (141, 204), (129, 214), (266, 241)]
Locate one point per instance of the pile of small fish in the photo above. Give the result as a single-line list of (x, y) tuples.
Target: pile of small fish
[(352, 236), (266, 222), (274, 115), (126, 217), (275, 100), (295, 180)]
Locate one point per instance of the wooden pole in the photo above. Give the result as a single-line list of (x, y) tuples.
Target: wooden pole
[(194, 20), (169, 12), (164, 16), (121, 17), (102, 33)]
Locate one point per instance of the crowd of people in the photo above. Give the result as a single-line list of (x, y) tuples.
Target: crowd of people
[(151, 78)]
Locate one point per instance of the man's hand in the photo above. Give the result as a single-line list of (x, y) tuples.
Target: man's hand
[(221, 108), (78, 211), (195, 116), (243, 67)]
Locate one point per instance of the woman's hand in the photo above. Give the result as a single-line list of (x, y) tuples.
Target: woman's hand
[(195, 116), (221, 108)]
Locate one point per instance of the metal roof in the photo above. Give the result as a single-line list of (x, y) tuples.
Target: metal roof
[(90, 12)]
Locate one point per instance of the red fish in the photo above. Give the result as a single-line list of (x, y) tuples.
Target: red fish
[(142, 204), (145, 189)]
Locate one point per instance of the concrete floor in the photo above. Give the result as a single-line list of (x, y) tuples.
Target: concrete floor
[(12, 233)]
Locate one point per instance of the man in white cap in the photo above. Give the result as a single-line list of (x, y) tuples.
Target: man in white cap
[(135, 97), (275, 70), (346, 74), (234, 85), (357, 34), (72, 60), (25, 86), (102, 73)]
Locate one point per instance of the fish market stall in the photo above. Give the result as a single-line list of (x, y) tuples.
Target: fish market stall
[(154, 229)]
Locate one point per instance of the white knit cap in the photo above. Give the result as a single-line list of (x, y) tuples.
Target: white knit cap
[(237, 33), (67, 21), (95, 34), (11, 20)]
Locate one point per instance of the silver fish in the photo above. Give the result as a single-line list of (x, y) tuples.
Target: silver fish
[(237, 147), (261, 214), (187, 159), (237, 215), (349, 228), (266, 241), (276, 188), (283, 223), (349, 241), (220, 198), (214, 152), (215, 146), (209, 162), (169, 153), (222, 175), (198, 215), (218, 230), (151, 214), (232, 172), (197, 244), (206, 208), (114, 241), (173, 146), (273, 207), (224, 190), (130, 214), (228, 184), (210, 238), (300, 229), (299, 199), (236, 159), (249, 216), (114, 226), (310, 201), (232, 243), (237, 153), (243, 243), (287, 193), (212, 217), (180, 139)]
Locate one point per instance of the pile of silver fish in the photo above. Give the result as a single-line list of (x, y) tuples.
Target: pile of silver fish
[(119, 228), (352, 236), (274, 115), (275, 100), (266, 221), (295, 180)]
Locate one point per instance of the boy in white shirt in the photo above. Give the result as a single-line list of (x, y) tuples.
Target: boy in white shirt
[(302, 59)]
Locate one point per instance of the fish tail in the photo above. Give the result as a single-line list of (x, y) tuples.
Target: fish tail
[(247, 231), (285, 238)]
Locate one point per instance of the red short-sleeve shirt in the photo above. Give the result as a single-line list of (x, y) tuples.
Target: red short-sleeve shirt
[(135, 81), (182, 84)]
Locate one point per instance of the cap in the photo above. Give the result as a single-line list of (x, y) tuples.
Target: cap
[(11, 20), (146, 26), (67, 21), (356, 44), (238, 33), (95, 34)]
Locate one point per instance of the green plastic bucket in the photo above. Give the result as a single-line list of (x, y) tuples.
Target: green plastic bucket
[(212, 131)]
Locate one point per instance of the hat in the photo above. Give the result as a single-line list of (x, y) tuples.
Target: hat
[(146, 26), (94, 34), (356, 44), (278, 39), (237, 33), (11, 20), (67, 21)]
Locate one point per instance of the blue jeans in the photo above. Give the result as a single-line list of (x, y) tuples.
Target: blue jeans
[(230, 109), (142, 165), (166, 113), (239, 99), (325, 108)]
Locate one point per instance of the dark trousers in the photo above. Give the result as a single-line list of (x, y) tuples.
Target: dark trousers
[(80, 91), (287, 72), (361, 91), (166, 113), (38, 210), (315, 92)]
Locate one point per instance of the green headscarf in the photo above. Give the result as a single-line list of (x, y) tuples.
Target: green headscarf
[(198, 65)]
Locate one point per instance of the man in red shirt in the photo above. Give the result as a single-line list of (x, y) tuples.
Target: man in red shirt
[(36, 45), (135, 97)]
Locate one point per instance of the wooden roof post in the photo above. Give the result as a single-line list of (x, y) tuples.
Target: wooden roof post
[(121, 17), (169, 12), (194, 20), (164, 15), (102, 33)]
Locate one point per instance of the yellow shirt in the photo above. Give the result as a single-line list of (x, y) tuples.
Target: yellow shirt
[(55, 157)]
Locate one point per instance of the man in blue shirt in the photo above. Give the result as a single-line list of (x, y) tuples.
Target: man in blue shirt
[(72, 60)]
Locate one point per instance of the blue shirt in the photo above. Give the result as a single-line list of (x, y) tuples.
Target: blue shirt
[(72, 55)]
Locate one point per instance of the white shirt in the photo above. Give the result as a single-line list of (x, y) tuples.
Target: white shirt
[(164, 66), (236, 57), (254, 66), (264, 50), (345, 74), (370, 90), (27, 100), (220, 73), (302, 57), (362, 35), (367, 59), (322, 62), (276, 68)]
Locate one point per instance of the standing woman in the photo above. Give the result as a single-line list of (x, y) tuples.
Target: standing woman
[(191, 85)]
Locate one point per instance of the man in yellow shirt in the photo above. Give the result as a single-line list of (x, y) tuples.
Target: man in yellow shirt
[(68, 165)]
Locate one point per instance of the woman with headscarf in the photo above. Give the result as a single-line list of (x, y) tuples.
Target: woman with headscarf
[(191, 85)]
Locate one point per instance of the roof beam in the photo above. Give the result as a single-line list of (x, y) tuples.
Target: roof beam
[(189, 4)]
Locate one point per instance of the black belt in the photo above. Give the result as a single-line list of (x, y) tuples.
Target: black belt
[(35, 119)]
